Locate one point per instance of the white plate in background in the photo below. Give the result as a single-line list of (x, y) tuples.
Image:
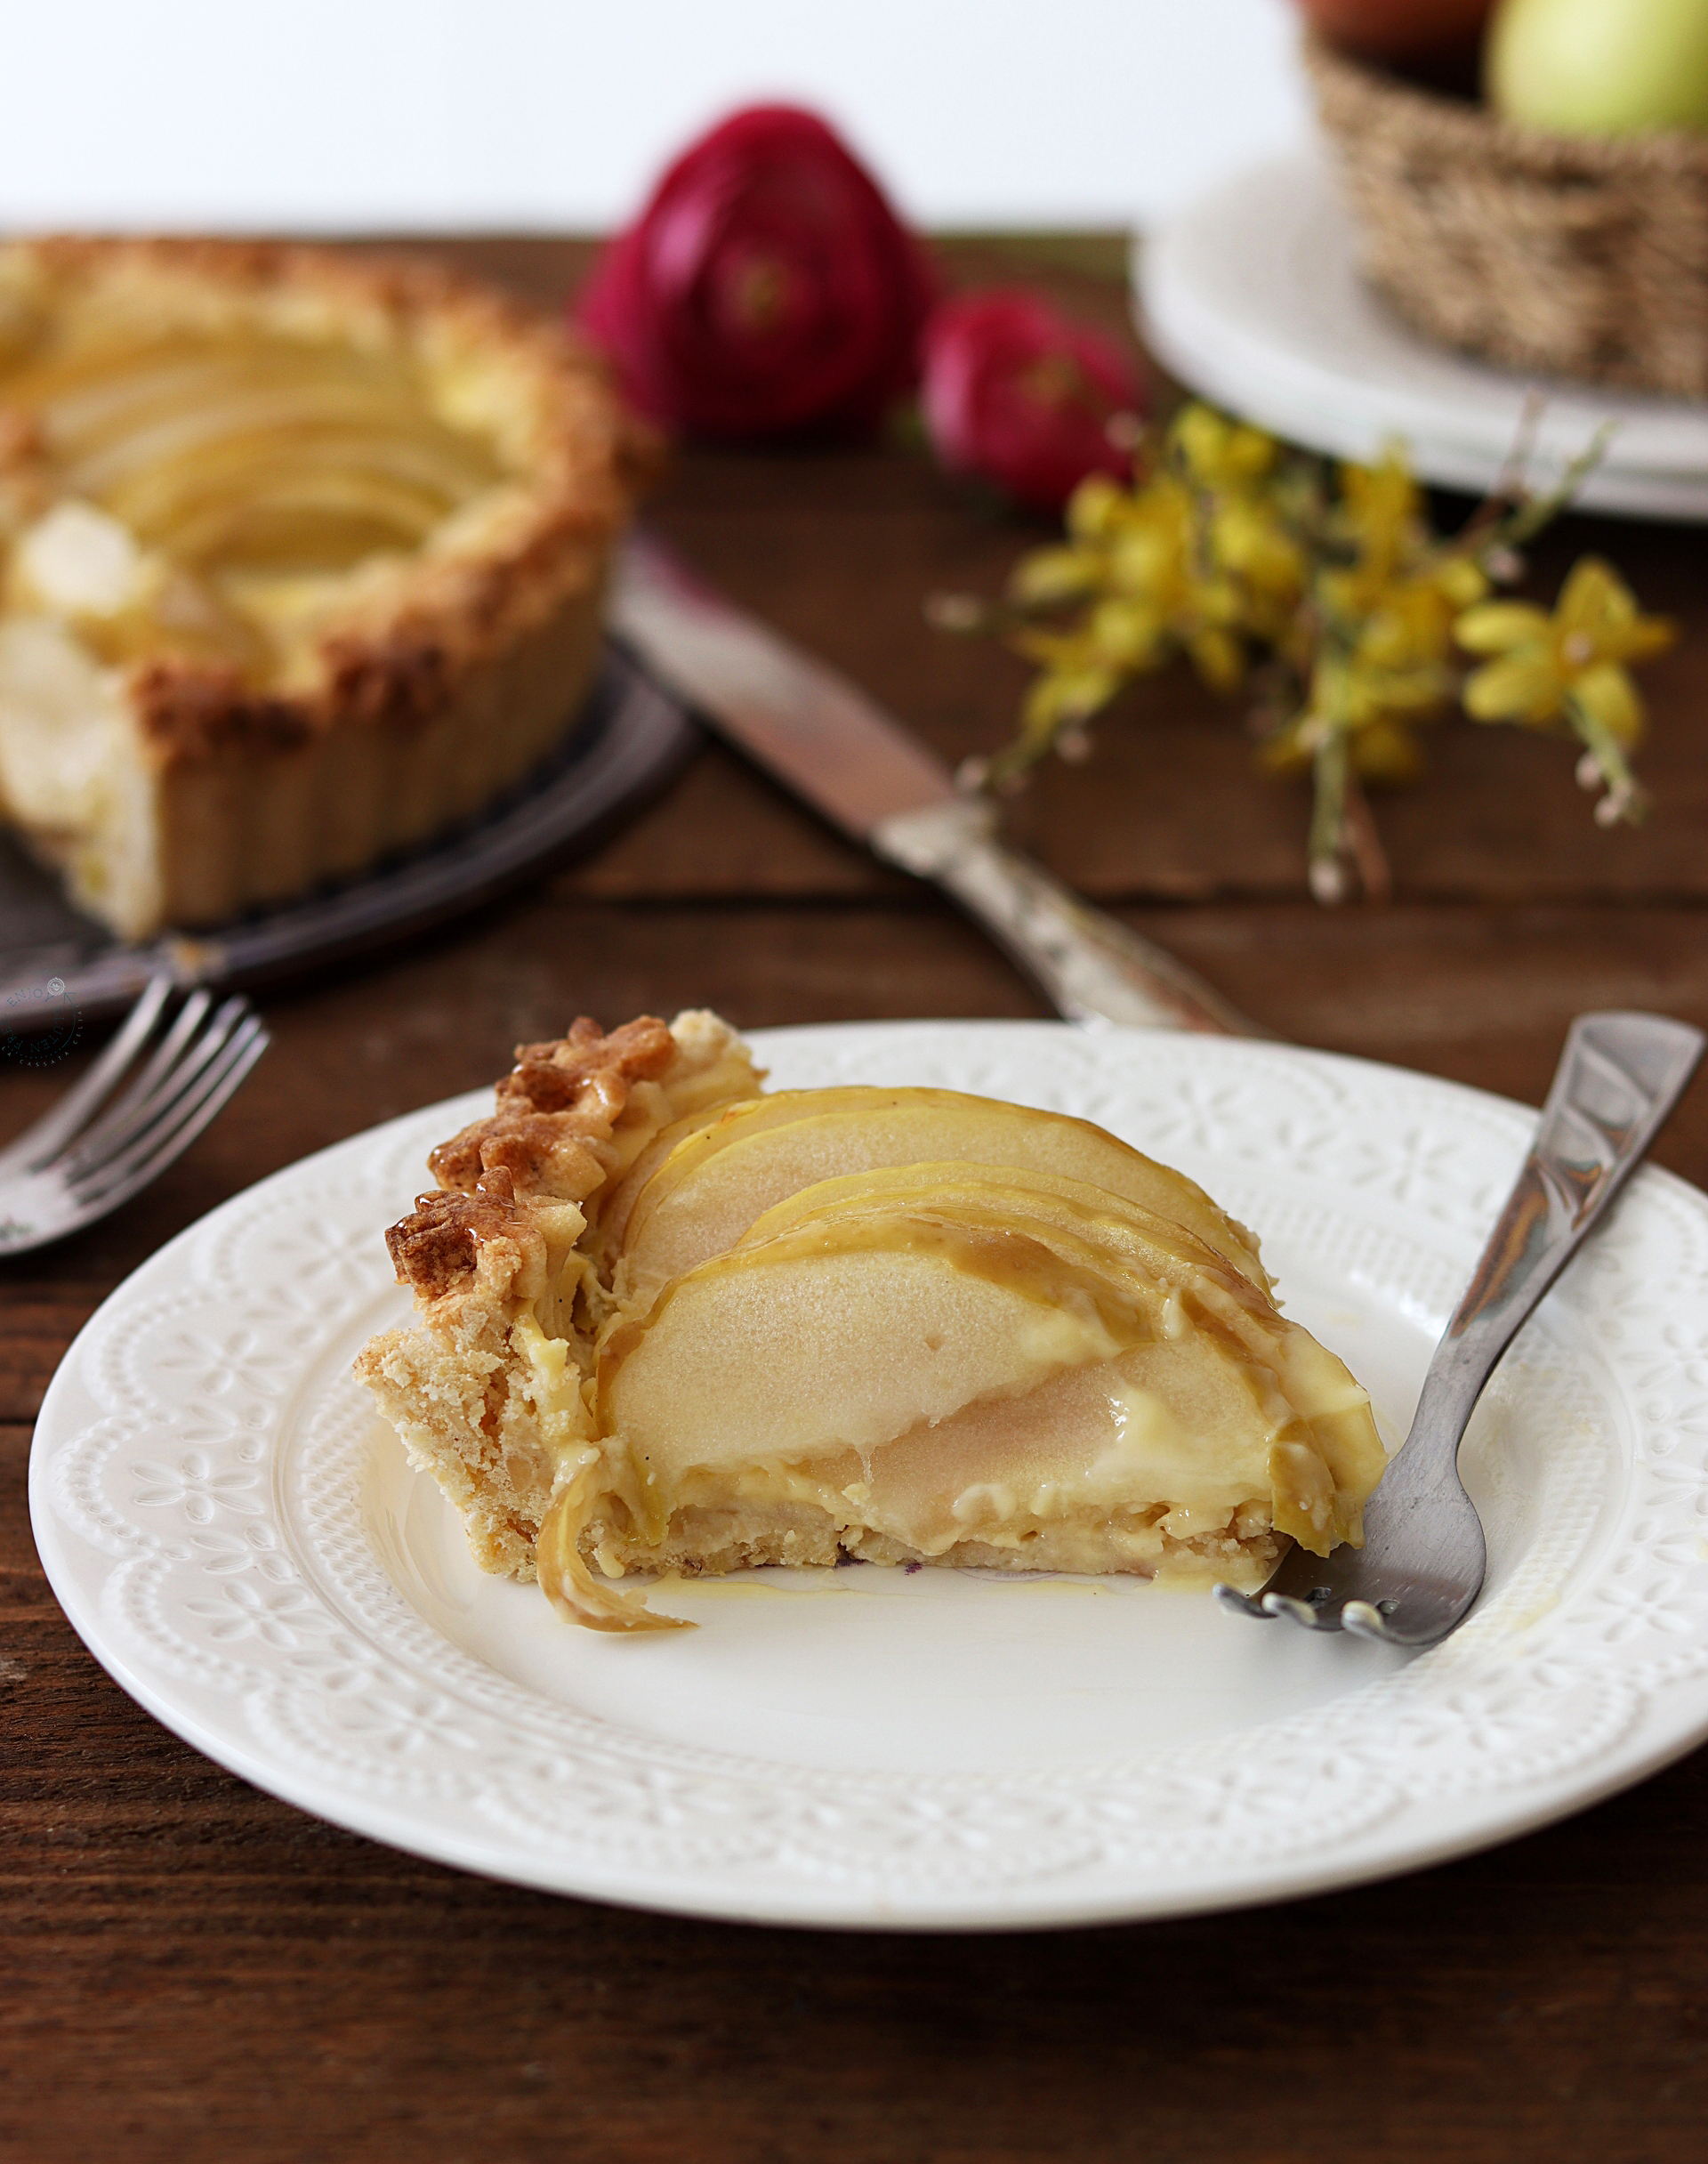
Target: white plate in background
[(1252, 297)]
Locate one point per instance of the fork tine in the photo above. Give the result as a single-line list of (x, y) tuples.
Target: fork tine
[(1242, 1603), (143, 1169), (173, 1104), (1300, 1611), (150, 1152), (1387, 1621), (56, 1127), (166, 1081), (121, 1117)]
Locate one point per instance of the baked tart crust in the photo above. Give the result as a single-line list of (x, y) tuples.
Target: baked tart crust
[(667, 1323), (302, 562)]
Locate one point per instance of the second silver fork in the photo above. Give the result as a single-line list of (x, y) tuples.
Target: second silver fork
[(117, 1130)]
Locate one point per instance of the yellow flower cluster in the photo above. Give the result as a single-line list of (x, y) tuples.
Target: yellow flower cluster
[(1571, 665), (1235, 553)]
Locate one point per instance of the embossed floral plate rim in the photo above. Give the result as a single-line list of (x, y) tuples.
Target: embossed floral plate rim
[(198, 1486)]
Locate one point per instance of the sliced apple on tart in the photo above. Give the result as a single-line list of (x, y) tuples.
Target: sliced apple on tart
[(699, 1185), (894, 1325)]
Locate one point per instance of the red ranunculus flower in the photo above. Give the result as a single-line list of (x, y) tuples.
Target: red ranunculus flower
[(1017, 393), (767, 289)]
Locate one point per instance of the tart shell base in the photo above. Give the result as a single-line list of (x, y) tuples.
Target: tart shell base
[(704, 1542), (237, 832)]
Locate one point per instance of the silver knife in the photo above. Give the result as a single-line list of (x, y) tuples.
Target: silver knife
[(821, 736)]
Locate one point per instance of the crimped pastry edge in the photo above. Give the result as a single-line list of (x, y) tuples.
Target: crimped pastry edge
[(481, 1248)]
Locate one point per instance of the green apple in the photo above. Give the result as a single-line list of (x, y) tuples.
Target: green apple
[(1600, 66)]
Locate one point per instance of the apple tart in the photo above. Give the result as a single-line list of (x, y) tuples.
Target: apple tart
[(668, 1322), (302, 560)]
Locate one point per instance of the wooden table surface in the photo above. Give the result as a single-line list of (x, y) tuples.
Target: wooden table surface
[(191, 1969)]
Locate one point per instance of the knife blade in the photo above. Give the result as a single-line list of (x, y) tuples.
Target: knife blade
[(825, 739)]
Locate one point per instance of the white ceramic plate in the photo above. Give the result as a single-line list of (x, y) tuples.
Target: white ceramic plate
[(247, 1554), (1253, 296)]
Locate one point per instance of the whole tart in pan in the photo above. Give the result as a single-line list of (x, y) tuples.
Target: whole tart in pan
[(301, 561)]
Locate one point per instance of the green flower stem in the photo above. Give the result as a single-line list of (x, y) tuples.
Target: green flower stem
[(1623, 789), (1329, 768), (1365, 842), (1528, 520)]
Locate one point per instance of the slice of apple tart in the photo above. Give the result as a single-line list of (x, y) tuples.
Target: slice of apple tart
[(667, 1322), (302, 560)]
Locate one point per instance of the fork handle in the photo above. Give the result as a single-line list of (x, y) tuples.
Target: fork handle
[(1618, 1078)]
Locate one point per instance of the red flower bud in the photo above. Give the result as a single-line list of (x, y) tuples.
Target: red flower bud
[(767, 288), (1017, 393)]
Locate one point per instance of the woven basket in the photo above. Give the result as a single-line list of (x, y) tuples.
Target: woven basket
[(1585, 259)]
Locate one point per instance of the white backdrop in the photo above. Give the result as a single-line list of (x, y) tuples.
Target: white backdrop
[(514, 114)]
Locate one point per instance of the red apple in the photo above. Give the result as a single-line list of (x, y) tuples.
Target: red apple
[(1399, 29)]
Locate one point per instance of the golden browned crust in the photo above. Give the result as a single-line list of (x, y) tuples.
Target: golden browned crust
[(21, 439), (254, 813), (549, 1137), (486, 1253), (399, 675), (435, 1248), (556, 1096), (185, 708)]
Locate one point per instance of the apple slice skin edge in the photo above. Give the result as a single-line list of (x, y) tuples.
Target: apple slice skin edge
[(798, 1138)]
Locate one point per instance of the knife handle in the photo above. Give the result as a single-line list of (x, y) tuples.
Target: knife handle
[(1091, 968)]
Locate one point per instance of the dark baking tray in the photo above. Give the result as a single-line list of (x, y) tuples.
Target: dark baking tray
[(631, 738)]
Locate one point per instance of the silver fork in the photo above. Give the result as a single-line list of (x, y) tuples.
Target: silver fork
[(1424, 1556), (104, 1141)]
